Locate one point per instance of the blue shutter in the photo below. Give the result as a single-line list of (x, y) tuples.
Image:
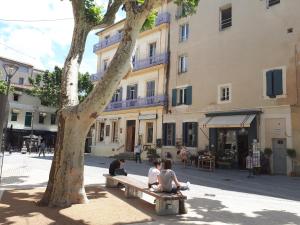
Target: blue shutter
[(164, 133), (128, 93), (277, 82), (189, 94), (121, 94), (195, 129), (269, 79), (213, 138), (174, 133), (174, 97), (184, 133), (136, 91)]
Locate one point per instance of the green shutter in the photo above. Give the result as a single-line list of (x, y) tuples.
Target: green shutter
[(195, 128), (184, 133), (269, 83), (28, 118), (174, 97), (277, 82), (121, 94), (174, 133), (189, 95)]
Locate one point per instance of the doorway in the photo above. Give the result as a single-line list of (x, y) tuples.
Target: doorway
[(279, 156), (243, 146), (130, 135)]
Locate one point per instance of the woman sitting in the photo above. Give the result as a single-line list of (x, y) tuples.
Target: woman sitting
[(154, 173), (168, 181)]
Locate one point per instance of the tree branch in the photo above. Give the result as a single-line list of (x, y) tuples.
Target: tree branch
[(110, 15), (120, 65)]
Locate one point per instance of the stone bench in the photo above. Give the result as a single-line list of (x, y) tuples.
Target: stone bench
[(165, 204)]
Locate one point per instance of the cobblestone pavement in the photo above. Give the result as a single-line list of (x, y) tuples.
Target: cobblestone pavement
[(221, 197)]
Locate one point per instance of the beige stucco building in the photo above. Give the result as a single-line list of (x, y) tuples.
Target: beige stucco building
[(136, 109), (26, 113), (234, 78)]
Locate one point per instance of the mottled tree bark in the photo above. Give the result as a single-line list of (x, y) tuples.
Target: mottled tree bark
[(66, 181)]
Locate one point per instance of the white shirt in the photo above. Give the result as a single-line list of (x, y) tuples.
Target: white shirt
[(137, 149), (152, 175)]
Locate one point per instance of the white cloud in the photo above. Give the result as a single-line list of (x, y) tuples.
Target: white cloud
[(42, 44), (36, 43)]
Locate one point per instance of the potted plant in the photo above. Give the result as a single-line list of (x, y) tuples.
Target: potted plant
[(152, 154), (292, 154)]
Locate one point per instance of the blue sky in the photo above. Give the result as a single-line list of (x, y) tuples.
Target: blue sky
[(42, 44)]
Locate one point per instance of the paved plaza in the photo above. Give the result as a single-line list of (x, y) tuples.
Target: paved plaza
[(220, 197)]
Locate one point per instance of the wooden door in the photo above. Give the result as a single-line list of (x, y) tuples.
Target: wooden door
[(130, 135)]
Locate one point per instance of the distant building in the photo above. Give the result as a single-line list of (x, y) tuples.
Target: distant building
[(136, 109), (26, 114)]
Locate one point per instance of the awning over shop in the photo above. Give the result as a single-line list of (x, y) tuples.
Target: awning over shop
[(234, 121)]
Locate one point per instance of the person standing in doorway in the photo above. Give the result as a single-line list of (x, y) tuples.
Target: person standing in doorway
[(137, 152), (249, 164), (42, 148)]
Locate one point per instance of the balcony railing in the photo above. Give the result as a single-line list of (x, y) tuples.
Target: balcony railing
[(109, 41), (162, 18), (141, 64), (151, 61), (137, 103), (96, 76)]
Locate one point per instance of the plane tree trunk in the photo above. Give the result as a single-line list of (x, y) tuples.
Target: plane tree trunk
[(66, 182)]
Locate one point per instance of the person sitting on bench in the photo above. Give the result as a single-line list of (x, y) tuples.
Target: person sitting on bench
[(153, 173), (117, 168), (168, 181)]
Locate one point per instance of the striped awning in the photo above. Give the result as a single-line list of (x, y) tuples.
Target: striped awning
[(234, 121)]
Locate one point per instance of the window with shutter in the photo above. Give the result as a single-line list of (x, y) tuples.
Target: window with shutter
[(169, 134), (278, 84), (226, 17), (190, 134), (184, 32), (224, 93), (189, 95), (272, 2), (150, 88), (274, 83), (174, 97)]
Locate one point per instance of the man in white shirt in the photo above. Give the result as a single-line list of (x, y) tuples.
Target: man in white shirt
[(137, 152), (153, 173)]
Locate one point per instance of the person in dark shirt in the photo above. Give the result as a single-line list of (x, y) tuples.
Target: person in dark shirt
[(116, 168)]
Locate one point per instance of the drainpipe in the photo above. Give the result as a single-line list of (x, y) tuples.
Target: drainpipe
[(296, 67)]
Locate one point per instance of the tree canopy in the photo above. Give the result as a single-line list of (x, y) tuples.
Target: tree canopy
[(47, 86)]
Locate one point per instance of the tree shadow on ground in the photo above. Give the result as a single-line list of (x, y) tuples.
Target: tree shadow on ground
[(19, 207), (16, 203), (13, 180), (209, 211)]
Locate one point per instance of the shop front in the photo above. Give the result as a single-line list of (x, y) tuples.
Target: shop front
[(231, 135)]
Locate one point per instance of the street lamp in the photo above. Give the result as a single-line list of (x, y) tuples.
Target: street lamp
[(10, 71)]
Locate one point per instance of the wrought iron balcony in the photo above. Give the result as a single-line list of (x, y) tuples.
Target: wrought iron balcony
[(151, 61), (162, 18), (141, 64), (137, 103), (108, 42)]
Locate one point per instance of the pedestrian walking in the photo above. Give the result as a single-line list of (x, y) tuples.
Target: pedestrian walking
[(137, 152), (42, 148)]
